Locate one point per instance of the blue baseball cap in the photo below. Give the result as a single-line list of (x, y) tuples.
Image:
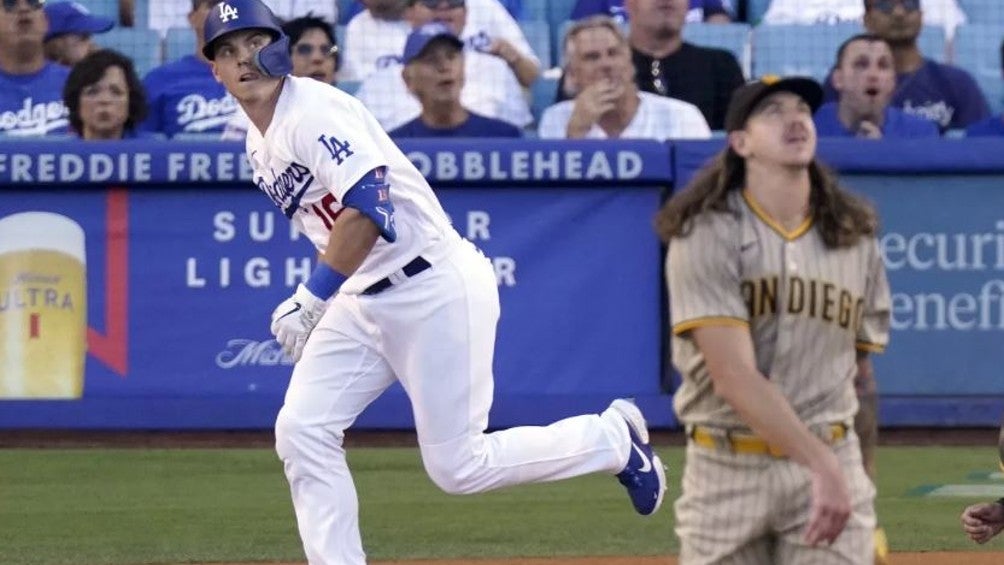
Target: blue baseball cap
[(423, 35), (71, 17)]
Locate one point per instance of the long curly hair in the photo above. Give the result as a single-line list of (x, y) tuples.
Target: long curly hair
[(841, 217)]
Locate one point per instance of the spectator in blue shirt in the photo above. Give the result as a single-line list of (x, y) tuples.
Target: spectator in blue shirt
[(183, 95), (434, 74), (710, 11), (105, 97), (943, 94), (994, 125), (30, 86), (864, 78)]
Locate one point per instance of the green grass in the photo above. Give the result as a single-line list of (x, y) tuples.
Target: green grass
[(118, 507)]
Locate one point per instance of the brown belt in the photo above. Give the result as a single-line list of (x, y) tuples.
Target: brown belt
[(750, 444)]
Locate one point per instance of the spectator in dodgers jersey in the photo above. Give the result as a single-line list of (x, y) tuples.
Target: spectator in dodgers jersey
[(709, 11), (943, 94), (70, 28), (865, 78), (165, 14), (609, 104), (375, 39), (491, 87), (994, 125), (313, 48), (105, 97), (668, 66), (434, 73), (30, 86), (183, 95)]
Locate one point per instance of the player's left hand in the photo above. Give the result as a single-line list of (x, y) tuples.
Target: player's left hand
[(295, 318), (983, 521)]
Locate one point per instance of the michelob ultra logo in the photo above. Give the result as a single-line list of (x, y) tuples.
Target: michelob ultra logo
[(43, 306)]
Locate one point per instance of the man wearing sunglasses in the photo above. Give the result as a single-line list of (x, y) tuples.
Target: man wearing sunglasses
[(30, 86), (183, 95), (941, 93)]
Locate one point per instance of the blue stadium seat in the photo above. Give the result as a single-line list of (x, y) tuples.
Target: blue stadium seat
[(180, 41), (346, 9), (977, 50), (349, 86), (142, 45), (340, 38), (558, 11), (535, 10), (141, 13), (731, 37), (983, 12), (559, 43), (538, 34), (542, 95), (932, 43), (812, 50), (798, 49), (106, 8), (755, 9)]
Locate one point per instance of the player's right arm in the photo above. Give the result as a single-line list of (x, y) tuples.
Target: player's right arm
[(707, 306)]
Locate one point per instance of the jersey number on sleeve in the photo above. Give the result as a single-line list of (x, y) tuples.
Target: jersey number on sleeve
[(324, 211)]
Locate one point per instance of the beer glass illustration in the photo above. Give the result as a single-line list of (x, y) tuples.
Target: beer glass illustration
[(43, 306)]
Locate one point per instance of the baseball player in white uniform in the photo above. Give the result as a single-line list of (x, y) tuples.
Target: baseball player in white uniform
[(777, 290), (397, 295)]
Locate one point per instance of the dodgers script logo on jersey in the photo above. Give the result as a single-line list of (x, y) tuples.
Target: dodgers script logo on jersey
[(287, 188)]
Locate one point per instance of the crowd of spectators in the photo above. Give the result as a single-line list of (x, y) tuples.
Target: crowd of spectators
[(470, 68)]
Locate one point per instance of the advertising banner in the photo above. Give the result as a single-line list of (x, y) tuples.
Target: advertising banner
[(147, 305)]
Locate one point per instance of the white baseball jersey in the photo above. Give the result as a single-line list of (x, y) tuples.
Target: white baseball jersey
[(320, 143), (490, 89), (372, 44), (807, 308), (658, 117)]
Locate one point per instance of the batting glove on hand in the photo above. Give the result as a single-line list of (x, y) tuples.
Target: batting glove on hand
[(295, 318)]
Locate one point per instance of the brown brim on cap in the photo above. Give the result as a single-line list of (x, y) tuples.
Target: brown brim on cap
[(745, 98)]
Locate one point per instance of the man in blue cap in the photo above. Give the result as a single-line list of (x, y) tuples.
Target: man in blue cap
[(434, 74), (71, 26)]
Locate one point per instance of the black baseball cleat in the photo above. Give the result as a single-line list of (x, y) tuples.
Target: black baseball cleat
[(644, 476)]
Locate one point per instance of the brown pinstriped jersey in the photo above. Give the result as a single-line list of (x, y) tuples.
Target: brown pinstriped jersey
[(807, 308)]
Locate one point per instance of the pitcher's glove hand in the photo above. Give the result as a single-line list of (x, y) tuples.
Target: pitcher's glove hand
[(295, 318)]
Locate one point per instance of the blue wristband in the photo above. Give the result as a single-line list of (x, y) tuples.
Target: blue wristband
[(324, 282)]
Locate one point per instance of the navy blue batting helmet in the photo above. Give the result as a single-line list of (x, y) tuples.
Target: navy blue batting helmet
[(234, 15)]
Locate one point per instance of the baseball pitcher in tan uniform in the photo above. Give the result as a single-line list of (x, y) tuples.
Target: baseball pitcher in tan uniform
[(777, 289)]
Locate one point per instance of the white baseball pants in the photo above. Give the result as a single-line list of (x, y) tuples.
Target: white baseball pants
[(435, 333)]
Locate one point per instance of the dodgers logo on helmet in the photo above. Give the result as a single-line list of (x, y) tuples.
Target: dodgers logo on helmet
[(235, 15), (228, 12)]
